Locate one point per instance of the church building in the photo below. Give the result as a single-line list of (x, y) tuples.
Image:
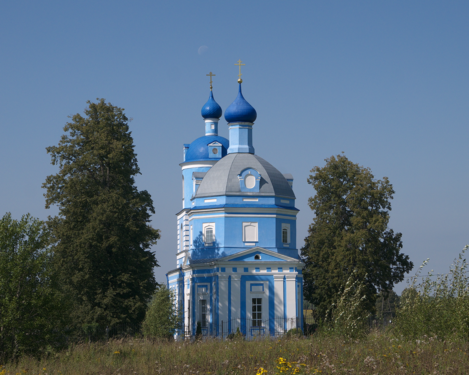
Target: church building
[(237, 259)]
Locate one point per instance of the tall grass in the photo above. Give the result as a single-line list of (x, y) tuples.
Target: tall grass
[(436, 306), (376, 353)]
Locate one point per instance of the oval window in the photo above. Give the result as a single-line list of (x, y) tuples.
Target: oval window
[(215, 151), (250, 181)]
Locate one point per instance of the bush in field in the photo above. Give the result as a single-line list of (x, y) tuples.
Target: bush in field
[(436, 306), (295, 332), (350, 313), (162, 317)]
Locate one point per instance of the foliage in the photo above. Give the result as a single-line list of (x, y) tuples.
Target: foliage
[(437, 307), (162, 317), (101, 237), (374, 354), (235, 335), (31, 310), (198, 331), (350, 234), (387, 307), (295, 332), (349, 314)]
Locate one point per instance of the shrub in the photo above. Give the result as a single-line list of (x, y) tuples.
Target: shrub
[(198, 331), (162, 317), (235, 335), (436, 306), (349, 313), (295, 332)]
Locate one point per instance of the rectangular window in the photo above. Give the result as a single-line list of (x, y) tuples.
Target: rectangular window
[(285, 233), (257, 312), (203, 313), (250, 232)]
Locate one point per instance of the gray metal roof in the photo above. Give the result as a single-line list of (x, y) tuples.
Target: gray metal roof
[(222, 178)]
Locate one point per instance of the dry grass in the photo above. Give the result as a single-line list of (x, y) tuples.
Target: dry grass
[(377, 354)]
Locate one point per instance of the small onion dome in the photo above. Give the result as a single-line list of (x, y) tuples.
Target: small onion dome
[(211, 109), (240, 110)]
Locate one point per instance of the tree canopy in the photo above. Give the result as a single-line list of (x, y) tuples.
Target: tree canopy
[(101, 237), (350, 234), (32, 313)]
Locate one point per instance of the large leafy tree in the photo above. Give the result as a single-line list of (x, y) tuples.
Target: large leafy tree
[(350, 234), (33, 314), (101, 236)]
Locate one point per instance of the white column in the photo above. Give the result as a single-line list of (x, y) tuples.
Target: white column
[(223, 302), (278, 287), (291, 301)]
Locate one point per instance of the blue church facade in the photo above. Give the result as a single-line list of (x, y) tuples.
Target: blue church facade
[(237, 263)]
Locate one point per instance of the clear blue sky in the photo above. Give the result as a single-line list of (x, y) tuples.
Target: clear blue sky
[(384, 81)]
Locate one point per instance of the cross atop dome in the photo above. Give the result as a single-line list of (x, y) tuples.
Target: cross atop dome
[(239, 75)]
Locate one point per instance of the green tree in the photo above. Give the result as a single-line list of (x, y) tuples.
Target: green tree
[(101, 236), (32, 313), (162, 316), (349, 234)]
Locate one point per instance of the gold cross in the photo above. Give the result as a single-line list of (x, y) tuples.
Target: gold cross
[(239, 75), (211, 75)]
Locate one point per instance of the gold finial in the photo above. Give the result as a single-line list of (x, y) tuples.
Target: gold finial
[(239, 75), (211, 75)]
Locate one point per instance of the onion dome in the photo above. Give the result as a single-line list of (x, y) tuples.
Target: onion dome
[(240, 110), (211, 109)]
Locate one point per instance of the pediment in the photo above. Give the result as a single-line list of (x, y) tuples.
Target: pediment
[(249, 255)]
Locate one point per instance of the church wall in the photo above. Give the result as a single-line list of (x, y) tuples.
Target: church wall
[(278, 231), (188, 183), (229, 234)]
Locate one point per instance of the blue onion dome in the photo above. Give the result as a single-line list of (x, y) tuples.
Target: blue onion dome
[(211, 109), (240, 110), (199, 149)]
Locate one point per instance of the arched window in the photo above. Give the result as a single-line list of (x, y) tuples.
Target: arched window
[(257, 257), (209, 233)]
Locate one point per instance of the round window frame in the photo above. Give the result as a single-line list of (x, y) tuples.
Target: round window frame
[(250, 181)]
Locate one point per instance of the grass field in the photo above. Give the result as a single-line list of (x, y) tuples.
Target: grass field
[(377, 354)]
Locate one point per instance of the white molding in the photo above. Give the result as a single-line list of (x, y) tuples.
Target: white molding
[(189, 166), (245, 209), (243, 216)]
